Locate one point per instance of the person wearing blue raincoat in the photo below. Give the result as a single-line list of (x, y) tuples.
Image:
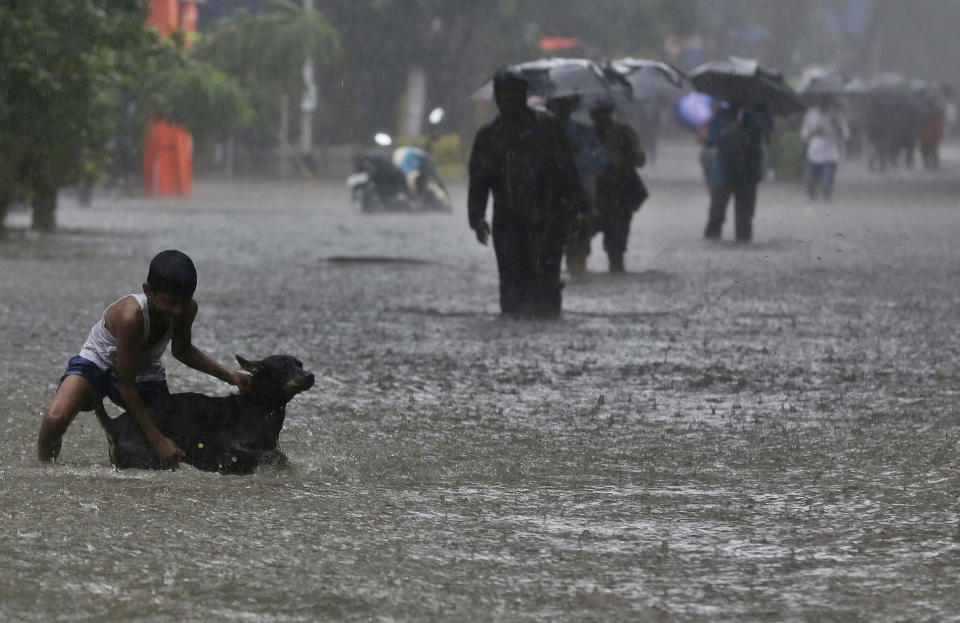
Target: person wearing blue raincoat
[(590, 159), (423, 180)]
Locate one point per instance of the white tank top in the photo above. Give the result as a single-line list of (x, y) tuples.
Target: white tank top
[(101, 346)]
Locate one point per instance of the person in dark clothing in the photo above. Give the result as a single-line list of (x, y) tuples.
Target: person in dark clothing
[(388, 179), (738, 133), (523, 158), (590, 158), (620, 192)]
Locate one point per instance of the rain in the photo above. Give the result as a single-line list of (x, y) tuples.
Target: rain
[(727, 429)]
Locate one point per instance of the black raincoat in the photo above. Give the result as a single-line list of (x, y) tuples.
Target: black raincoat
[(527, 164)]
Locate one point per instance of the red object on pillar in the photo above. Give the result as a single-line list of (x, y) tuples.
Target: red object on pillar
[(164, 16), (559, 43), (188, 21), (168, 148)]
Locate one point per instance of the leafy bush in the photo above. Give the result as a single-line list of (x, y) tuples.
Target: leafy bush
[(265, 53), (206, 101)]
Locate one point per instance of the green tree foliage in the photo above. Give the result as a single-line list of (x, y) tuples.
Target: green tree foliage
[(460, 44), (265, 52), (59, 63), (76, 78), (205, 100)]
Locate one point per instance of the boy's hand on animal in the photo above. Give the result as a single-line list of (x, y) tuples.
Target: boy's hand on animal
[(241, 379), (167, 451)]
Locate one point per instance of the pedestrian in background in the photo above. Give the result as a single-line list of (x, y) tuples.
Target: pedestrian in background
[(620, 191), (932, 122), (738, 132), (825, 130), (590, 158), (523, 158)]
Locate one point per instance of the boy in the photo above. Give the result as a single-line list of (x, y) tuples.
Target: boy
[(121, 357)]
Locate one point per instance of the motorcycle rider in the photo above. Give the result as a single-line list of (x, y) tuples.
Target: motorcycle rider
[(423, 181), (388, 181)]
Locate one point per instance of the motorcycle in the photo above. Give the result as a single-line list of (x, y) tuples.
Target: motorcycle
[(405, 181)]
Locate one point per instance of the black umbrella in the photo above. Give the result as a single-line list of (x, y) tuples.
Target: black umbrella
[(648, 78), (825, 83), (556, 77), (890, 82), (855, 86), (744, 81), (831, 84)]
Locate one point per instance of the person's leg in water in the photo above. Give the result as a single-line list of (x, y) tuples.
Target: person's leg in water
[(74, 394), (827, 176), (515, 266), (546, 298), (582, 231), (82, 386), (719, 198), (745, 202), (811, 179), (616, 230), (577, 246)]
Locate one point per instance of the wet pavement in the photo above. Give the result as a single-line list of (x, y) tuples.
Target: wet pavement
[(727, 432)]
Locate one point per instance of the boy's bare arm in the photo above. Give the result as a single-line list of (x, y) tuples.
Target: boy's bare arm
[(129, 332), (183, 349)]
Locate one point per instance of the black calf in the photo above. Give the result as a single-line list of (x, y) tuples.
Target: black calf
[(231, 434)]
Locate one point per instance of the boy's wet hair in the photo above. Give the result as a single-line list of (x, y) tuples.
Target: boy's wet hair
[(173, 272)]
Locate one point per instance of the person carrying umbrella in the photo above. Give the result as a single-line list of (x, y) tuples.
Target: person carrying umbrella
[(620, 192), (524, 159), (738, 132), (590, 158)]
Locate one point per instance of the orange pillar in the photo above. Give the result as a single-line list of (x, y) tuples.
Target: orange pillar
[(164, 16), (168, 148), (188, 20)]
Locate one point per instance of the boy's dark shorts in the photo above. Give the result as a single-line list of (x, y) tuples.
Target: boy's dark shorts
[(105, 383)]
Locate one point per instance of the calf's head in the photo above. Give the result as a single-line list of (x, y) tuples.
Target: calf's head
[(277, 378)]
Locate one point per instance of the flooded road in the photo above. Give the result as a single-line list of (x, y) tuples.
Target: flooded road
[(761, 433)]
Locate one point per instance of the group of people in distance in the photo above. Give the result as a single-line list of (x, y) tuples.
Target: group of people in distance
[(555, 183)]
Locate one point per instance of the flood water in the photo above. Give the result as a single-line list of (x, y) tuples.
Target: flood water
[(761, 433)]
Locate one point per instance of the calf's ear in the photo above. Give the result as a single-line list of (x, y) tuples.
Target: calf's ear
[(250, 366)]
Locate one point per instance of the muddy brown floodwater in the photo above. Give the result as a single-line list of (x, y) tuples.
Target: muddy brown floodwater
[(760, 433)]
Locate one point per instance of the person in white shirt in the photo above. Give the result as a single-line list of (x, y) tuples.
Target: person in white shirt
[(826, 131)]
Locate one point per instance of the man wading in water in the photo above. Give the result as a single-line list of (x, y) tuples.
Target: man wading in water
[(524, 159)]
